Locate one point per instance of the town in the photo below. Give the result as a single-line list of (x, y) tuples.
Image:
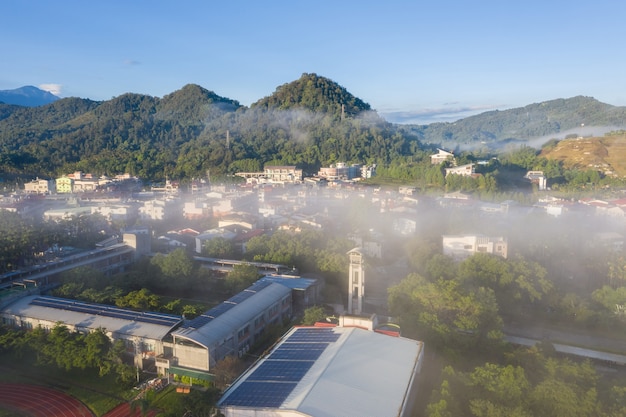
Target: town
[(162, 219)]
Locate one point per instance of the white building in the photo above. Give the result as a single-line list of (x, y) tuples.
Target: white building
[(40, 186), (143, 333), (465, 170), (463, 246), (441, 156), (227, 329), (329, 372)]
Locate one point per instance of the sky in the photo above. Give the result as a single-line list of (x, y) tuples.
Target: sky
[(412, 61)]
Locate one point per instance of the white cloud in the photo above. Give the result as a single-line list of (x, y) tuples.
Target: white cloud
[(51, 88)]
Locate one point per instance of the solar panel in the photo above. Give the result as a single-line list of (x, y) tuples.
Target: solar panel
[(260, 394), (304, 351), (198, 322), (285, 371), (314, 335), (106, 311), (259, 285), (219, 310), (242, 296)]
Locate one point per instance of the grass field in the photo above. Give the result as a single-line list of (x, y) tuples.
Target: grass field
[(99, 394), (606, 154)]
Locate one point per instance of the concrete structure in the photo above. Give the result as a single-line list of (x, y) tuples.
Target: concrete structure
[(329, 372), (143, 333), (39, 186), (227, 329), (274, 174), (538, 178), (463, 246), (356, 285), (64, 185), (441, 156), (465, 170)]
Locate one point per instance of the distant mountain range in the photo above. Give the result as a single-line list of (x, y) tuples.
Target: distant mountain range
[(28, 96), (311, 122)]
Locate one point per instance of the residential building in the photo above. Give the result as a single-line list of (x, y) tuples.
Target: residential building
[(64, 185), (465, 170), (463, 246), (442, 156), (537, 178), (40, 186)]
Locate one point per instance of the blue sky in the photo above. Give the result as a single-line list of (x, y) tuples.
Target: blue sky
[(412, 61)]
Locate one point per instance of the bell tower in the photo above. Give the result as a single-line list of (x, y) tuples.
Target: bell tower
[(356, 281)]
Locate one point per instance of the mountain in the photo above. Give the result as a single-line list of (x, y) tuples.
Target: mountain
[(549, 118), (316, 94), (28, 96), (310, 122)]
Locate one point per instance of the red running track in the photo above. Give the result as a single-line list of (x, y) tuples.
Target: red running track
[(38, 401)]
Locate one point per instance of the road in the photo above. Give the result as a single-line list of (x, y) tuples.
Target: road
[(569, 340)]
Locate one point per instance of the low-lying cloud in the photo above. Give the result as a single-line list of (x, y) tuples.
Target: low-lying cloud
[(51, 88), (447, 113)]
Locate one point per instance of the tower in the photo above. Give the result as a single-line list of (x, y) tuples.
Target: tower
[(356, 281)]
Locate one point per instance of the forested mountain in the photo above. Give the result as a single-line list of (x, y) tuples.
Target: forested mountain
[(310, 122), (523, 123), (27, 96)]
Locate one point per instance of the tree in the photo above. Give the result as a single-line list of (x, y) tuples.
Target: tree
[(241, 277), (443, 314), (218, 247), (313, 314), (142, 299)]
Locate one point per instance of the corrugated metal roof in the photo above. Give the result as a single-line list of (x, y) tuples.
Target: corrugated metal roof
[(361, 373), (24, 307), (222, 326), (293, 283)]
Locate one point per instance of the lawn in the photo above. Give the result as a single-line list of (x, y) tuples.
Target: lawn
[(99, 394)]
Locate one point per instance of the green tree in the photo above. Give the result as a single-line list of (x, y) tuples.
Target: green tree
[(443, 314), (313, 314), (142, 299), (241, 277), (218, 247)]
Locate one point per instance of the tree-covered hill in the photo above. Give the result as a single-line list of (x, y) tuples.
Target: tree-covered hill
[(310, 122), (316, 94), (524, 123)]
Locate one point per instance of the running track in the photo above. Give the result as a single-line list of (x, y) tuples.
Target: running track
[(38, 401)]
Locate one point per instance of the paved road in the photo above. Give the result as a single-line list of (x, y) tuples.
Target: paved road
[(567, 337)]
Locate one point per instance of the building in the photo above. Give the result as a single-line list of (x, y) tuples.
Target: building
[(441, 156), (356, 286), (39, 186), (227, 329), (329, 372), (463, 246), (64, 185), (273, 174), (466, 170), (538, 178), (143, 333)]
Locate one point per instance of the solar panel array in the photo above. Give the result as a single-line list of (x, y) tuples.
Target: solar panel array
[(222, 308), (106, 311), (277, 376)]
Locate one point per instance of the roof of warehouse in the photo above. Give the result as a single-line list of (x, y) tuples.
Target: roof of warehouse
[(92, 316), (338, 371)]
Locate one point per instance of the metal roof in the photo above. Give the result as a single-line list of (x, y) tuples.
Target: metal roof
[(217, 325), (328, 372), (298, 283), (93, 316)]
